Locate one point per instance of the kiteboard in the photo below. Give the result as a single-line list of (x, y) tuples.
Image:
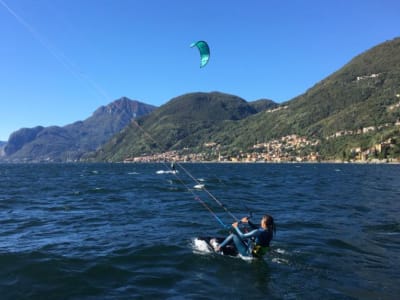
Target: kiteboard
[(209, 245)]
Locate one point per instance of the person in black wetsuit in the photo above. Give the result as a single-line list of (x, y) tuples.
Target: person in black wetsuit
[(255, 242)]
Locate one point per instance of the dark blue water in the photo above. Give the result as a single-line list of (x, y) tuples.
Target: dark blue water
[(114, 231)]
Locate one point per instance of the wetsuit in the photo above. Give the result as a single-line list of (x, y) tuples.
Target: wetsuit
[(243, 241)]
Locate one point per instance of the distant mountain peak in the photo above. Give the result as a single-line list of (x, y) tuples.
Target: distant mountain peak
[(125, 105), (72, 141)]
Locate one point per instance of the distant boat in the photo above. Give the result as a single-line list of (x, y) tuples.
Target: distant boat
[(167, 172)]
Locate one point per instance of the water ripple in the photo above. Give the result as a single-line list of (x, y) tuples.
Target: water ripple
[(113, 231)]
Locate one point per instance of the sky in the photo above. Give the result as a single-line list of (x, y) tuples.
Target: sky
[(62, 59)]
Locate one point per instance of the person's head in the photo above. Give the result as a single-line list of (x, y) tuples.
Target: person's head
[(268, 222)]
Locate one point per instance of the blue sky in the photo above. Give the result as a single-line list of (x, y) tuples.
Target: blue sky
[(62, 59)]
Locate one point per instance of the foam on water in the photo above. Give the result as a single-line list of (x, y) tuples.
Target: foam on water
[(280, 260), (280, 251)]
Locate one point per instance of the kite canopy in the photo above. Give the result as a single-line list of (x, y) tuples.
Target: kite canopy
[(204, 52)]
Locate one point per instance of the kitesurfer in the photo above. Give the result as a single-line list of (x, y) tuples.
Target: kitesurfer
[(254, 243)]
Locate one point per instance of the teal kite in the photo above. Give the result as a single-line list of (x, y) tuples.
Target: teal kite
[(204, 52)]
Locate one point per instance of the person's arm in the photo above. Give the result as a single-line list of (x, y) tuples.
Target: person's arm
[(242, 235), (251, 224)]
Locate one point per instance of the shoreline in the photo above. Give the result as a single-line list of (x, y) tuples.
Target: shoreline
[(270, 162), (374, 162)]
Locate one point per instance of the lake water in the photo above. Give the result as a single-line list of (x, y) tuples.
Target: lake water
[(122, 231)]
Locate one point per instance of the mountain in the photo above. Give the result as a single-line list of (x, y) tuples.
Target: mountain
[(185, 121), (2, 145), (363, 94), (71, 142), (263, 104), (357, 107)]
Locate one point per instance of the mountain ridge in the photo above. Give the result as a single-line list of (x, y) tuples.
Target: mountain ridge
[(72, 141), (181, 122), (355, 97)]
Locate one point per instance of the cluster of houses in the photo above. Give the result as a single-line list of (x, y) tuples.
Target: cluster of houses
[(362, 130), (169, 156), (372, 153), (290, 148), (285, 149), (368, 76)]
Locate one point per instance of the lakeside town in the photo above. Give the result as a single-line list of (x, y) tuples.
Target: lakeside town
[(274, 151), (290, 148)]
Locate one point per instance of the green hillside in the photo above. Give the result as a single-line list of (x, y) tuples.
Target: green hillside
[(185, 121), (358, 106), (357, 96)]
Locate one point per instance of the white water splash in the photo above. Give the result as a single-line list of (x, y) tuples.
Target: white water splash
[(201, 247), (280, 251)]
